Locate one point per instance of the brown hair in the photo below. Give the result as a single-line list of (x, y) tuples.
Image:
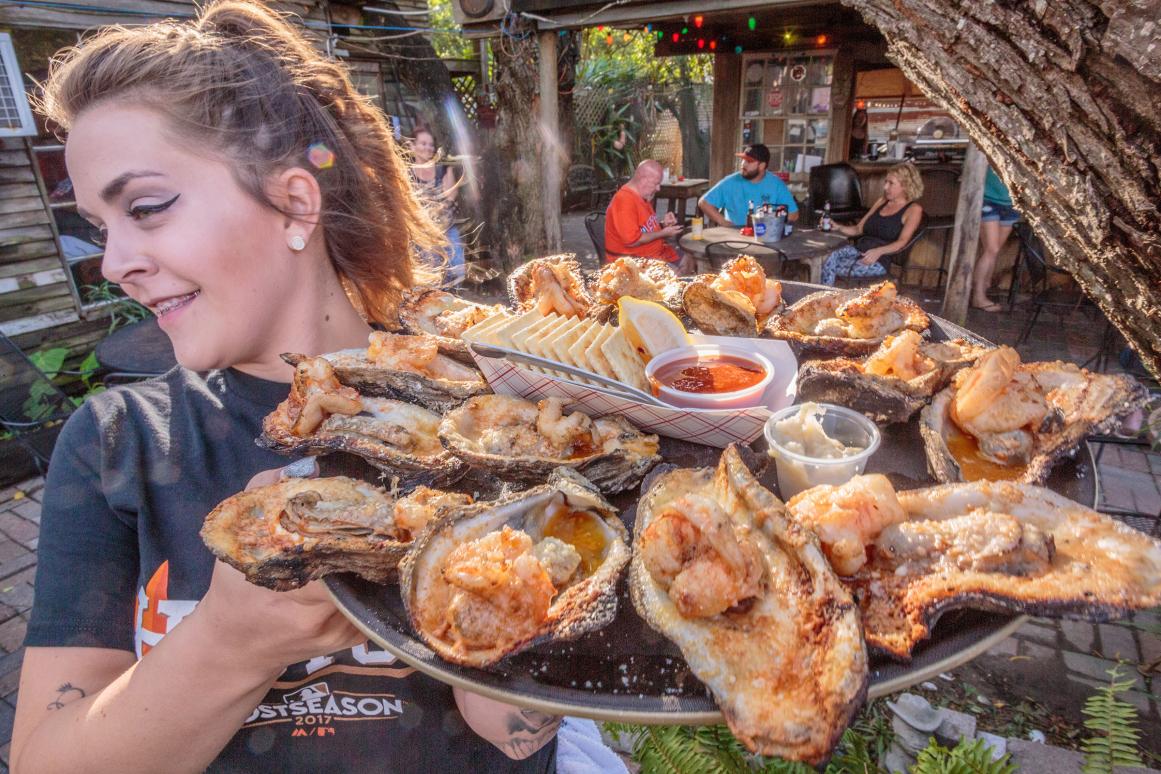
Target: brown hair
[(241, 81), (909, 178)]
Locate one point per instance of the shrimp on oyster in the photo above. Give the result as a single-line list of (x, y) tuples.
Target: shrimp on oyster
[(894, 381), (735, 302), (909, 556), (1003, 419), (405, 367), (550, 285), (523, 441), (488, 581), (692, 551), (848, 322)]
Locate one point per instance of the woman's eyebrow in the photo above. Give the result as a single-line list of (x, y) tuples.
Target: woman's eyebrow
[(117, 185)]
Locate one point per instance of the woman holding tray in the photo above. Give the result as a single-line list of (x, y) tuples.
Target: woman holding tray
[(248, 197)]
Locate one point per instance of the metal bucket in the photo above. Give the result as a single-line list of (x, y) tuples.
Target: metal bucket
[(774, 226)]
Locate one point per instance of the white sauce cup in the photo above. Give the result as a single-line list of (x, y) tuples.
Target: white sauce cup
[(798, 472)]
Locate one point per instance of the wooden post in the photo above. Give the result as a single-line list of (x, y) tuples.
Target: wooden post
[(550, 138), (726, 131), (966, 236), (842, 94)]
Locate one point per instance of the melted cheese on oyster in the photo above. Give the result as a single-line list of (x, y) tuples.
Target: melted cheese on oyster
[(624, 277)]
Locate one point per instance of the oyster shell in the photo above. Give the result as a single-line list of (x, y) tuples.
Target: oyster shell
[(489, 581), (552, 284), (736, 301), (320, 415), (847, 322), (643, 278), (298, 530), (443, 316), (894, 382), (988, 545), (407, 368), (522, 442), (1001, 419), (786, 660)]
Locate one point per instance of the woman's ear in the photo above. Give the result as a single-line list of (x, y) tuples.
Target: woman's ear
[(296, 193)]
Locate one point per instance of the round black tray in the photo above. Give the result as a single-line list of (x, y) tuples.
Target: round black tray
[(627, 672)]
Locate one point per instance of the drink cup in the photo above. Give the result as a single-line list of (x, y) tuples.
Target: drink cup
[(696, 226)]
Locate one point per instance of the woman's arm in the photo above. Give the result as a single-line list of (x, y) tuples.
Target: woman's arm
[(516, 732), (911, 220), (857, 229), (450, 188)]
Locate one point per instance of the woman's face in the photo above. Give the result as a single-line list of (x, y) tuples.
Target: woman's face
[(423, 147), (182, 237), (893, 189)]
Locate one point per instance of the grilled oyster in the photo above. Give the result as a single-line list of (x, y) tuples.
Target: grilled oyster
[(444, 317), (1001, 419), (283, 535), (489, 581), (847, 322), (988, 545), (321, 415), (643, 278), (894, 382), (757, 611), (735, 302), (552, 284), (408, 368), (522, 442)]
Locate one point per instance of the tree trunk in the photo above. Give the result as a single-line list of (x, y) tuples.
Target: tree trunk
[(514, 225), (1079, 144)]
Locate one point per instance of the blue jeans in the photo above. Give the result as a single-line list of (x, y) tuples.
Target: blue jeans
[(1004, 213), (845, 262), (453, 271)]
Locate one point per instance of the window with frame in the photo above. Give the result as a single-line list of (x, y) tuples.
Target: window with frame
[(785, 105)]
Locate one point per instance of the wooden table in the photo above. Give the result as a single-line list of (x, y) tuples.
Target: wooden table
[(677, 191), (808, 245)]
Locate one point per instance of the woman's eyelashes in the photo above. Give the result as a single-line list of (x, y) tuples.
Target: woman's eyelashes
[(142, 211)]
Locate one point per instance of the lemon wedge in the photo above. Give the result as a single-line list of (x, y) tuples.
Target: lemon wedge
[(649, 327)]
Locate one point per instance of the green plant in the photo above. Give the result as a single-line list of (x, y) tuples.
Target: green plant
[(965, 758), (122, 310), (38, 404), (1116, 720), (611, 160)]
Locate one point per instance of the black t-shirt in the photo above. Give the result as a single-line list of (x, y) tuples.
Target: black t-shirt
[(135, 472)]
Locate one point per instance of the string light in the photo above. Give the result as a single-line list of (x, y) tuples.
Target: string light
[(788, 36), (626, 37), (698, 20), (701, 42), (821, 40), (609, 39), (737, 49), (676, 37), (660, 35), (685, 30), (713, 45), (752, 23)]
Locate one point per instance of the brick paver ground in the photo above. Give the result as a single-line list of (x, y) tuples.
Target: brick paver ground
[(1055, 663)]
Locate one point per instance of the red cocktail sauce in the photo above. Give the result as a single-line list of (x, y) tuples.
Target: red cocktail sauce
[(708, 374)]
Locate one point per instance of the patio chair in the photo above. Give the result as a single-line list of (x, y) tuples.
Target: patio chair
[(32, 407), (771, 259), (595, 225), (900, 261), (580, 187), (839, 185), (1047, 296), (1149, 523)]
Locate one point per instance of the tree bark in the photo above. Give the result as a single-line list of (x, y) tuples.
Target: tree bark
[(1061, 95), (514, 224)]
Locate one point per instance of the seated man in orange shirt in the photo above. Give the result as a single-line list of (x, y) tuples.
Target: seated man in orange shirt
[(631, 223)]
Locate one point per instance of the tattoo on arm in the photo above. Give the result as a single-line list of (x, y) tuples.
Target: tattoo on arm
[(66, 693), (528, 730)]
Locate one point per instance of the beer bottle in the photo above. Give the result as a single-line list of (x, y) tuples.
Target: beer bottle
[(824, 223), (750, 218)]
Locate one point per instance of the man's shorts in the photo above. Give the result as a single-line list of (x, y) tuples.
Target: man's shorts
[(1001, 212)]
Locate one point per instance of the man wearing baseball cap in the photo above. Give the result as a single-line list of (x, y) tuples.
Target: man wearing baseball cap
[(727, 203)]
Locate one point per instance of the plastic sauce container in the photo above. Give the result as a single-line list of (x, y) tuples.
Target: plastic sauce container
[(704, 355), (798, 468)]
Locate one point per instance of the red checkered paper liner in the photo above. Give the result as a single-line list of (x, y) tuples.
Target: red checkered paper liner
[(710, 427)]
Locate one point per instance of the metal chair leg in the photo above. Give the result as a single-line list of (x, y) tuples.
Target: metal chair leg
[(1024, 334)]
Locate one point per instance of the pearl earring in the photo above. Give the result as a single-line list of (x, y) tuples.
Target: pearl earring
[(297, 243)]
